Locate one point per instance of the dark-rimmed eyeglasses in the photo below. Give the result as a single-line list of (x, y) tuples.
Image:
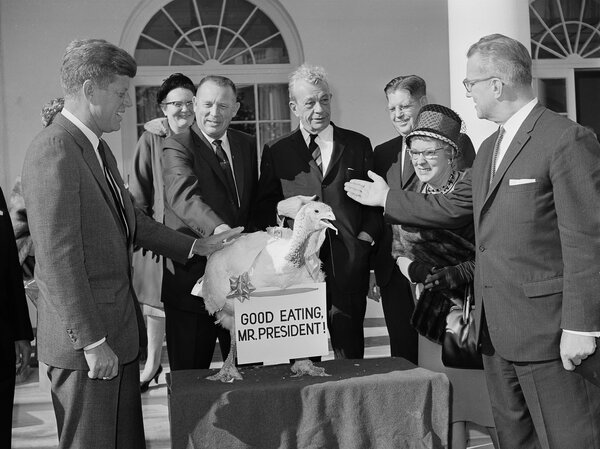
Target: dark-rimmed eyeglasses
[(180, 104), (470, 83), (428, 154)]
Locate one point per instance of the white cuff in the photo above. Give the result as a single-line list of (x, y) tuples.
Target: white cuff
[(587, 334), (94, 345), (403, 263)]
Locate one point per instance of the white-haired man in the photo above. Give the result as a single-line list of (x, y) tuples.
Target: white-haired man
[(316, 159)]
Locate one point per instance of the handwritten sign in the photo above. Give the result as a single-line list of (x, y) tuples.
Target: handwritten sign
[(276, 325)]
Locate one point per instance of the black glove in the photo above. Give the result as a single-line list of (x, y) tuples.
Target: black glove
[(418, 271), (452, 277)]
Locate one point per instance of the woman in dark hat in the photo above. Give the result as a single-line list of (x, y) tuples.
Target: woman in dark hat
[(174, 98), (440, 264)]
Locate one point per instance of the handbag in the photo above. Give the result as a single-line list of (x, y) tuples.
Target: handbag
[(430, 315), (459, 348)]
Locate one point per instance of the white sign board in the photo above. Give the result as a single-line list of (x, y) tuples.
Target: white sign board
[(276, 325)]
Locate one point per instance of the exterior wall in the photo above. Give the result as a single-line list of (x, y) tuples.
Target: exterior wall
[(362, 44)]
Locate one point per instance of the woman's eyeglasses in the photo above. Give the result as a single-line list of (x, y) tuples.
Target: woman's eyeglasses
[(180, 104), (428, 154)]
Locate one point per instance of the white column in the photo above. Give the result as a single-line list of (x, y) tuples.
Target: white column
[(468, 21)]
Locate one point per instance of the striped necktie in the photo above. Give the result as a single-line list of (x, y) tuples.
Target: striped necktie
[(496, 151), (113, 187), (315, 151)]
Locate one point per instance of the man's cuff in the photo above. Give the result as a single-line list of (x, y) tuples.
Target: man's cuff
[(191, 253), (94, 345), (585, 334), (385, 200)]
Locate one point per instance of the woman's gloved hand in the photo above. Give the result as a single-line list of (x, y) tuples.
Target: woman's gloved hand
[(418, 272), (451, 277)]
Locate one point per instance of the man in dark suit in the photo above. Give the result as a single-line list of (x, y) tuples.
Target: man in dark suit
[(316, 159), (535, 187), (210, 174), (84, 227), (15, 327), (405, 95)]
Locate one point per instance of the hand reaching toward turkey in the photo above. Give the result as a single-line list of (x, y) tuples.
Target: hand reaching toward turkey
[(290, 206), (209, 245)]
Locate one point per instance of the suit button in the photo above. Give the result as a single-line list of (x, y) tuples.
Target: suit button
[(324, 186), (481, 248)]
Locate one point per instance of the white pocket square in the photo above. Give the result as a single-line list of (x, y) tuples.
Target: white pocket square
[(1, 212), (518, 182)]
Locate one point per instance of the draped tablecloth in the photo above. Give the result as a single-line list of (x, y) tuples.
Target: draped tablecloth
[(368, 404)]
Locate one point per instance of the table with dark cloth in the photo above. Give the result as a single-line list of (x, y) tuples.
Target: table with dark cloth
[(371, 403)]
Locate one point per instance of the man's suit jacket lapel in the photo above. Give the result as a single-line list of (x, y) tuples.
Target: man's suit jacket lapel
[(521, 138), (339, 144), (238, 160), (407, 174), (91, 159)]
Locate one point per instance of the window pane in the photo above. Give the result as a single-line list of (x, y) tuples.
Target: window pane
[(552, 93), (271, 131), (247, 111), (249, 128), (272, 51), (146, 106), (258, 28), (273, 102)]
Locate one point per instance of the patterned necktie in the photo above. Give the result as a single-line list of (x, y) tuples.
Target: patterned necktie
[(315, 151), (226, 168), (496, 151), (406, 166), (113, 187)]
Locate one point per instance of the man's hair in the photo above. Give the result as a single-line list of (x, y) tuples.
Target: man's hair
[(506, 57), (312, 74), (413, 84), (96, 60), (175, 81), (221, 81)]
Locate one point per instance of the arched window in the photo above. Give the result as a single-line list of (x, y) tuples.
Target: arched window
[(253, 42), (563, 29), (565, 46)]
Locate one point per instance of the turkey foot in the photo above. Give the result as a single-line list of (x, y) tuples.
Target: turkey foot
[(305, 366), (228, 372)]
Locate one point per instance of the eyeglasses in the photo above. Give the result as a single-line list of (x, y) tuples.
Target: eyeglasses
[(180, 104), (428, 154), (470, 83), (401, 108)]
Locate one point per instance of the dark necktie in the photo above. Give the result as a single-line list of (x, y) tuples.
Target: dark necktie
[(406, 171), (113, 187), (495, 153), (226, 168), (315, 151)]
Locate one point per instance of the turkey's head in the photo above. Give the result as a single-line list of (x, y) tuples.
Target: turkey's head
[(310, 225)]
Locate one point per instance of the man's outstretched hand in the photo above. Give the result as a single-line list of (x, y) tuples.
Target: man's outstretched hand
[(368, 193)]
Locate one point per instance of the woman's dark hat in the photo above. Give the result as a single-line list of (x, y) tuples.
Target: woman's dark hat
[(438, 122)]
